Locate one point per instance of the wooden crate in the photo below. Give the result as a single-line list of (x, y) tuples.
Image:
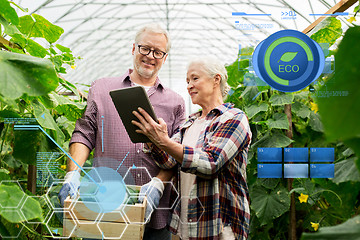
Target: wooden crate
[(112, 224)]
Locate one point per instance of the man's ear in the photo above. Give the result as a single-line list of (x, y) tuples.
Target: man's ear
[(164, 59), (133, 49)]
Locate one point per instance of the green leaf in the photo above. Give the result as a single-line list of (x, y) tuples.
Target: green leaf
[(12, 216), (36, 49), (300, 110), (19, 39), (47, 101), (9, 230), (20, 73), (32, 47), (4, 174), (268, 204), (62, 48), (11, 196), (40, 28), (45, 29), (43, 116), (269, 183), (62, 100), (315, 122), (26, 23), (280, 121), (18, 6), (11, 103), (9, 114), (246, 51), (329, 31), (252, 110), (236, 72), (46, 120), (238, 69), (349, 230), (346, 170), (26, 145), (249, 93), (65, 123), (339, 114), (9, 29), (305, 186), (11, 162), (288, 56), (32, 209), (7, 12), (69, 86), (70, 111), (235, 98), (280, 100), (354, 143), (275, 140), (348, 152)]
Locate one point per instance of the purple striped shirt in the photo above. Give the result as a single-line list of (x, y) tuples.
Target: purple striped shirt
[(101, 128)]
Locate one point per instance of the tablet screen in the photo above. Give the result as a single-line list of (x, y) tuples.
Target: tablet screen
[(127, 100)]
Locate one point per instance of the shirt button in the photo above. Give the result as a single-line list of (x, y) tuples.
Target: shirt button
[(138, 151), (190, 220), (138, 175)]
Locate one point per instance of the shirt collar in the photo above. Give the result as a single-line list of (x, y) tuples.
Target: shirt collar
[(216, 111), (223, 107), (127, 79), (219, 109)]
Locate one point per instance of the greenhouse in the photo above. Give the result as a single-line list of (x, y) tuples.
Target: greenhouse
[(253, 129)]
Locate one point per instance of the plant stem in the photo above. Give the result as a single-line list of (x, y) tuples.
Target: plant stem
[(292, 225), (30, 230), (2, 144)]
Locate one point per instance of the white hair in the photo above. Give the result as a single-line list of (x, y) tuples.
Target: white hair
[(154, 28), (212, 67)]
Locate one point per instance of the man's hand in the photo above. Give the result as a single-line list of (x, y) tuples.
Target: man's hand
[(154, 191), (70, 186)]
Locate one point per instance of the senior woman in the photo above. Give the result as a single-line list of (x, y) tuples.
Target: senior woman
[(210, 152)]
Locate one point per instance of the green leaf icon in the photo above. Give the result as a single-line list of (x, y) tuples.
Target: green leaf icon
[(288, 56)]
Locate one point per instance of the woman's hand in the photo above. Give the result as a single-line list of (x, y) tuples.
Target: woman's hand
[(156, 132)]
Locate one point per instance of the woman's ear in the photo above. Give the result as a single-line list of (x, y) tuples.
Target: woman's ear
[(217, 79)]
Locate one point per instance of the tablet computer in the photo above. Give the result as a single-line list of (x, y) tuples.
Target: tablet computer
[(127, 100)]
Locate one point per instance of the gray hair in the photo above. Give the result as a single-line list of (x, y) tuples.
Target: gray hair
[(212, 67), (155, 28)]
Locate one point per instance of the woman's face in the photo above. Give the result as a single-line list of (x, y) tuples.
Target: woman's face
[(201, 87)]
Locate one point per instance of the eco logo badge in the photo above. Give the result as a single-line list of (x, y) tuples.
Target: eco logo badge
[(288, 60)]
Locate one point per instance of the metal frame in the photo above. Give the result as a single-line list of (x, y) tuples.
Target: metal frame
[(191, 23)]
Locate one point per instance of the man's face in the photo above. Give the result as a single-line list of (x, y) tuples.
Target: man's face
[(148, 66)]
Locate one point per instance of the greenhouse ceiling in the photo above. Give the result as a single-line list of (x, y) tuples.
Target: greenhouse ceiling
[(101, 32)]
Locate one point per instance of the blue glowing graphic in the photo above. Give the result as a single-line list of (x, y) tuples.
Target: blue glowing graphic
[(109, 192), (295, 162), (288, 60)]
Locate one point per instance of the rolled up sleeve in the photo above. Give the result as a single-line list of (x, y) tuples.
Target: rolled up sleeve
[(86, 126), (162, 158)]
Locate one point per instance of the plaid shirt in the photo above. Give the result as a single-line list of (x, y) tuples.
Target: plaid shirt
[(219, 163)]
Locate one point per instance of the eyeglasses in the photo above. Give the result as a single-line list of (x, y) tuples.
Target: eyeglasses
[(144, 50)]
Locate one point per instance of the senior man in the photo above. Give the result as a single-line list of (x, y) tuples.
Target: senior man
[(100, 127)]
